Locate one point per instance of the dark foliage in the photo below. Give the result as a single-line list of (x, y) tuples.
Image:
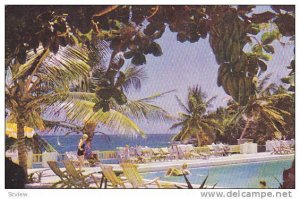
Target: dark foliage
[(15, 177)]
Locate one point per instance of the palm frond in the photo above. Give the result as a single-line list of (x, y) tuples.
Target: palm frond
[(181, 104), (273, 115), (141, 110), (236, 118), (176, 125), (99, 55), (210, 100), (67, 66), (156, 96), (133, 78), (263, 82), (31, 58), (82, 111)]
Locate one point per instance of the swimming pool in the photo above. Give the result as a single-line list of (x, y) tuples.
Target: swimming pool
[(246, 175)]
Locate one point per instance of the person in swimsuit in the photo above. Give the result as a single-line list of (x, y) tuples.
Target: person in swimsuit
[(81, 149), (89, 155), (178, 172)]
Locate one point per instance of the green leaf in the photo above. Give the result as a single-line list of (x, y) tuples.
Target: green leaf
[(138, 59), (128, 54), (269, 49), (254, 29), (257, 48), (262, 17), (263, 66), (155, 49), (189, 185), (203, 183), (269, 37), (286, 80), (265, 57), (121, 79)]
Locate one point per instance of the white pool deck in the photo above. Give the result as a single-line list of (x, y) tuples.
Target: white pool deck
[(48, 177)]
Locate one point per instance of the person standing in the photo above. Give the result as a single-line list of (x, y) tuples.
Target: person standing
[(89, 155), (81, 149)]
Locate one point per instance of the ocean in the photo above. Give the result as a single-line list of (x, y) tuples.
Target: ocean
[(103, 143)]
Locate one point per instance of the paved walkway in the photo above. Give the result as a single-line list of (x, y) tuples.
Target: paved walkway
[(48, 177)]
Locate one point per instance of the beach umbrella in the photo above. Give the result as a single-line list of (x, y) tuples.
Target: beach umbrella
[(11, 130)]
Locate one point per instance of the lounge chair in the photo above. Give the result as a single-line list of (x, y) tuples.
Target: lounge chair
[(126, 157), (165, 152), (158, 155), (130, 171), (224, 148), (217, 151), (74, 159), (280, 147), (78, 179), (65, 181), (191, 153), (110, 175), (286, 147), (144, 155), (181, 152), (234, 149), (203, 151)]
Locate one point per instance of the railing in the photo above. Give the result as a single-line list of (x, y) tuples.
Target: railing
[(112, 155), (105, 155), (61, 157), (37, 158), (234, 149), (202, 149)]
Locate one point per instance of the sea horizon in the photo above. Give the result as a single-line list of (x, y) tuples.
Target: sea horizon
[(63, 143)]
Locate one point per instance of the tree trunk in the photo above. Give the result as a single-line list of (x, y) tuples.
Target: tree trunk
[(198, 139), (245, 129), (22, 153), (89, 129)]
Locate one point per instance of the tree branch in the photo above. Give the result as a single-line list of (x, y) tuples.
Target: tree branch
[(105, 11)]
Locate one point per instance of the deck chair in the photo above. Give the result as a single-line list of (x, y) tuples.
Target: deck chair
[(144, 155), (191, 153), (110, 175), (78, 179), (135, 179), (123, 157), (168, 156), (286, 148), (65, 181), (183, 152), (74, 159), (275, 148), (203, 151), (158, 155), (217, 151), (279, 147), (234, 149)]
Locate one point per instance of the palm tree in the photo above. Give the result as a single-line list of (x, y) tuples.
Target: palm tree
[(38, 83), (100, 99), (261, 108), (195, 121)]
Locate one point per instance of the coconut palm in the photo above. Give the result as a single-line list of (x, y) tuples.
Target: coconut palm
[(101, 100), (261, 108), (38, 83), (195, 120)]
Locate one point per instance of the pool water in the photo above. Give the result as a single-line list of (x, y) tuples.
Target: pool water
[(246, 175)]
